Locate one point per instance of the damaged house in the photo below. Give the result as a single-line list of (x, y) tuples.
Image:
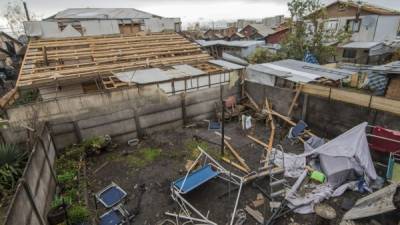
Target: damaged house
[(78, 22), (371, 28)]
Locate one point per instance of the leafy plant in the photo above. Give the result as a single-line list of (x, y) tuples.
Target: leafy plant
[(66, 177), (261, 55), (78, 214), (94, 145), (59, 200), (12, 163)]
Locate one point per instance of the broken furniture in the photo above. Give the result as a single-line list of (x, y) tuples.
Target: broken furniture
[(231, 110), (110, 195), (116, 216), (193, 179), (214, 125), (393, 169), (111, 198), (384, 140), (297, 130)]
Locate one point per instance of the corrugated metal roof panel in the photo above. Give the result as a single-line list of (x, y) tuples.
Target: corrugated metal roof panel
[(393, 67), (103, 13), (226, 64), (241, 44), (362, 44), (189, 70), (143, 76), (298, 71)]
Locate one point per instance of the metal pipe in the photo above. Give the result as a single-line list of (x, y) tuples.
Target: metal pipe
[(237, 202), (185, 217)]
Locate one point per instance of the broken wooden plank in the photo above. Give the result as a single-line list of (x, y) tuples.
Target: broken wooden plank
[(255, 214), (254, 103), (254, 176), (289, 121), (235, 165), (298, 91), (225, 137), (238, 157), (257, 141)]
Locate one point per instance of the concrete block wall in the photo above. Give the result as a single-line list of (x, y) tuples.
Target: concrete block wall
[(123, 114), (326, 118)]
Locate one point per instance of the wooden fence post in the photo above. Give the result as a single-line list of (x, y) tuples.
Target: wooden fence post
[(77, 131), (183, 107), (139, 130)]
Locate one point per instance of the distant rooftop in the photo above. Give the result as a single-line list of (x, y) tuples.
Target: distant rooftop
[(380, 10), (241, 44), (102, 13), (262, 29)]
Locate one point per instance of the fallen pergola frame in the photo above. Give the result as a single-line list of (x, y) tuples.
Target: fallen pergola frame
[(177, 190)]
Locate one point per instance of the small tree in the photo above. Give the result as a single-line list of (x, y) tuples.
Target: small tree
[(261, 55), (308, 33), (14, 15)]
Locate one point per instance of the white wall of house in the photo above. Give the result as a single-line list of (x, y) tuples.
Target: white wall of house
[(372, 27), (163, 24)]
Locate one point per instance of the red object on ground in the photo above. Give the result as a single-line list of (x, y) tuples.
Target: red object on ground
[(383, 145), (230, 101)]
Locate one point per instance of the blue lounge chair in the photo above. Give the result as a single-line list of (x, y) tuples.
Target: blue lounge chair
[(195, 179), (111, 195)]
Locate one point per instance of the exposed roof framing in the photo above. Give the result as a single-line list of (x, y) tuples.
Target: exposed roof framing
[(57, 60)]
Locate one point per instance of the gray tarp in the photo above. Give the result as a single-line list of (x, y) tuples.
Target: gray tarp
[(350, 147), (352, 144)]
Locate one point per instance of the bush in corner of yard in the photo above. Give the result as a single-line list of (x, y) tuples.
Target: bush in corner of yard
[(12, 163), (78, 214), (94, 146)]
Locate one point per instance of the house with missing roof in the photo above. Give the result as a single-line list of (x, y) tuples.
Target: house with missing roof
[(371, 28), (167, 62), (77, 22)]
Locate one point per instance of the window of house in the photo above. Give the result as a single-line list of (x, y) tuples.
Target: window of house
[(353, 25), (349, 53), (331, 25)]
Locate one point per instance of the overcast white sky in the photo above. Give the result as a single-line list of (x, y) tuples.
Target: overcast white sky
[(187, 10)]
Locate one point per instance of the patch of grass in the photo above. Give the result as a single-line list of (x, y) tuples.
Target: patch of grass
[(193, 152), (142, 157)]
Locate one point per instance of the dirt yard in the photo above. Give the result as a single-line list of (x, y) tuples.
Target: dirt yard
[(160, 159)]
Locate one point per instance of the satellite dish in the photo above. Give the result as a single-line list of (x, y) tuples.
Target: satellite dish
[(368, 21)]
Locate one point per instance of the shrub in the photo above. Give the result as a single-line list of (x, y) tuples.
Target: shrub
[(12, 163), (78, 214)]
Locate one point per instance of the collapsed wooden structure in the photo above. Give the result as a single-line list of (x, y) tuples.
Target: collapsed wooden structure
[(69, 60)]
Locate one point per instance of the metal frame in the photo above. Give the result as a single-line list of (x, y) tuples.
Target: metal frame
[(186, 207)]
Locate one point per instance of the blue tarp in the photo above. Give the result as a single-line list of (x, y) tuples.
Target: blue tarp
[(196, 178)]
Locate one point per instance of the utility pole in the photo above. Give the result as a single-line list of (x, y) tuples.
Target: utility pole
[(26, 11)]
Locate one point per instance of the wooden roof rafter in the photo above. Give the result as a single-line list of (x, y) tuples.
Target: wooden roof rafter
[(48, 61)]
